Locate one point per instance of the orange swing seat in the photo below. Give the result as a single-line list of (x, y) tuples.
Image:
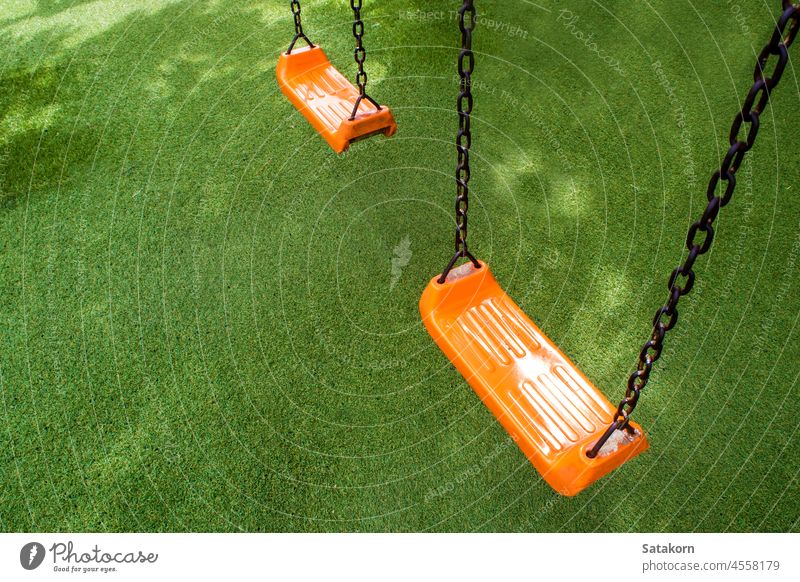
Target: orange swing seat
[(326, 98), (550, 409)]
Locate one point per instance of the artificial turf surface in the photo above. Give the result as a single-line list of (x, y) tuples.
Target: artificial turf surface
[(210, 321)]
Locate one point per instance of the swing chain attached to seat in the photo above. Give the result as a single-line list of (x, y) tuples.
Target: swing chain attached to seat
[(298, 27), (360, 55), (466, 65), (682, 278)]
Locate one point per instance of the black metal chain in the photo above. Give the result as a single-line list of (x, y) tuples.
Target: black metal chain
[(298, 27), (466, 65), (682, 278), (360, 55)]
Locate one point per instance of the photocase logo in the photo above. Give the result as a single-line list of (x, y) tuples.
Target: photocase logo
[(31, 555), (402, 256)]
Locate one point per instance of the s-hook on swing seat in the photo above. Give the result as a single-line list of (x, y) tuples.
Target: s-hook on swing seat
[(341, 112), (564, 425)]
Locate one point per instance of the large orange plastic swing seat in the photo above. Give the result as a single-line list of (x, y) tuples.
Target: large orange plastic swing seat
[(326, 98), (551, 410)]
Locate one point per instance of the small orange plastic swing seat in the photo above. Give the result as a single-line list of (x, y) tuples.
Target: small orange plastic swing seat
[(326, 98), (551, 410)]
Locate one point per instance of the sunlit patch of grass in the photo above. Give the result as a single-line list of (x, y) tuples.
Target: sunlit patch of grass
[(612, 289), (24, 118), (16, 9), (568, 199), (81, 22)]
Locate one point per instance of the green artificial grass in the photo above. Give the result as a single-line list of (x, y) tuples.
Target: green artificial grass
[(210, 321)]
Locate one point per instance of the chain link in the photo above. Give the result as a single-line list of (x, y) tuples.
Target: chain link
[(360, 55), (701, 232), (298, 26), (466, 65)]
